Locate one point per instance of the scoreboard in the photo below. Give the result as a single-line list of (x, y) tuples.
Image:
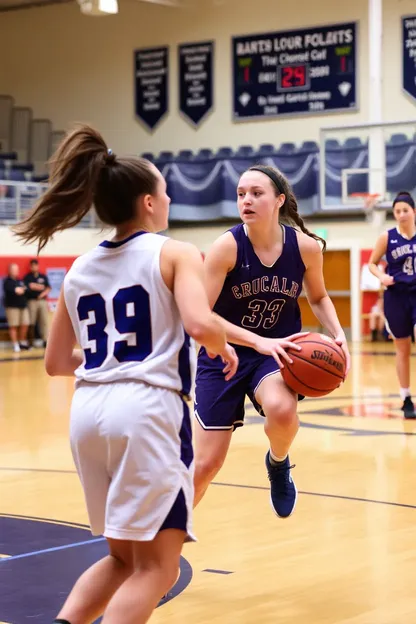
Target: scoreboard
[(301, 71)]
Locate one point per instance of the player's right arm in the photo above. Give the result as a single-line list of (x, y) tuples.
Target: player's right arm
[(182, 271), (378, 252)]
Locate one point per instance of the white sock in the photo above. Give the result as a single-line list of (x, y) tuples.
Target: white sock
[(275, 458), (404, 392)]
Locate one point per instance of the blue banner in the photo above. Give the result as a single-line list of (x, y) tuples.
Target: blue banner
[(409, 55), (305, 71), (151, 84), (196, 78)]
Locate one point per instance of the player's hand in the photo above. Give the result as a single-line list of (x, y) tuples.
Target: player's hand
[(230, 359), (387, 280), (341, 340), (277, 347)]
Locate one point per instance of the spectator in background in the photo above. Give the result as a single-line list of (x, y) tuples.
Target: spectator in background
[(38, 288), (377, 320), (15, 304)]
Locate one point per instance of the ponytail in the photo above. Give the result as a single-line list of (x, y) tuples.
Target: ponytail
[(288, 213), (84, 172)]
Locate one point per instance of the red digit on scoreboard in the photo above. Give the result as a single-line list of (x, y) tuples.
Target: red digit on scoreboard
[(299, 76), (287, 77)]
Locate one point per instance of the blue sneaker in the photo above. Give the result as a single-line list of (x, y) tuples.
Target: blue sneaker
[(283, 492)]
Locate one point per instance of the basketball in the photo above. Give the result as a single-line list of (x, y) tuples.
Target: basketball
[(316, 370)]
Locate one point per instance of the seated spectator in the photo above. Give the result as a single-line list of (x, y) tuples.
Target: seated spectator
[(17, 312), (38, 289), (377, 320)]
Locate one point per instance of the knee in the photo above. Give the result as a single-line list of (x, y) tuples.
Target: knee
[(170, 573), (403, 347), (123, 561), (280, 414), (207, 466)]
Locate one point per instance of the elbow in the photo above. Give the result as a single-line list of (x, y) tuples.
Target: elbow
[(201, 330), (317, 301), (51, 371), (197, 331), (51, 367)]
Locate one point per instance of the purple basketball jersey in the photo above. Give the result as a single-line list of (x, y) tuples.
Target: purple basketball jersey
[(260, 298), (401, 258)]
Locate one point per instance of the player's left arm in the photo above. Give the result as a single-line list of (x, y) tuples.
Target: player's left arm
[(61, 358), (316, 292)]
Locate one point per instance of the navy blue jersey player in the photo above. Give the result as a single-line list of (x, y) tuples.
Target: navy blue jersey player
[(254, 275), (399, 247)]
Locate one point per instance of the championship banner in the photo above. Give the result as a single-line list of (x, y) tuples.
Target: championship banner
[(151, 85), (196, 80), (409, 55), (303, 71)]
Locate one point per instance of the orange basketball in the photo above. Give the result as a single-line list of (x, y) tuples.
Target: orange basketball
[(316, 370)]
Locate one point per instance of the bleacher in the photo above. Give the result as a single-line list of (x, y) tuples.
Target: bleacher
[(202, 184)]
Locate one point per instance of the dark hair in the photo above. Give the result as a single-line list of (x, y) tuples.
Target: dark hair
[(34, 261), (404, 196), (84, 172), (289, 210)]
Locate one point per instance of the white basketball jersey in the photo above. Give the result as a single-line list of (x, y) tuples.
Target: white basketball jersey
[(125, 318)]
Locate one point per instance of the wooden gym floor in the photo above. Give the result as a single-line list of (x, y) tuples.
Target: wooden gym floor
[(346, 556)]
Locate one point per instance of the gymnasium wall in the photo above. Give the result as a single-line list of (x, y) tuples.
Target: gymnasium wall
[(85, 70), (79, 240)]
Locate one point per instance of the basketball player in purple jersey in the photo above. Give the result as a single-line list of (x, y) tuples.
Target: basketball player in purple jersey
[(254, 275), (399, 247)]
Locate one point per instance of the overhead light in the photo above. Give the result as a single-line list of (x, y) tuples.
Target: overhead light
[(98, 7)]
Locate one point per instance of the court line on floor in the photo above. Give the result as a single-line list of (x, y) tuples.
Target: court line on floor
[(350, 397), (238, 485), (76, 525), (21, 359), (389, 353), (54, 549), (320, 494), (17, 469)]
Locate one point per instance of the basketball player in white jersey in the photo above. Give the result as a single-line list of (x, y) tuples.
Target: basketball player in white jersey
[(127, 303)]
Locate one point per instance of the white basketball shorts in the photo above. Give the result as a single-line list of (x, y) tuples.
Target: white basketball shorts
[(132, 447)]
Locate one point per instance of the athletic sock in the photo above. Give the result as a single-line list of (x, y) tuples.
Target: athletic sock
[(276, 460), (404, 393)]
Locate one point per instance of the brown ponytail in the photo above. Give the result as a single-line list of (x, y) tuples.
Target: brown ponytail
[(84, 172), (288, 213)]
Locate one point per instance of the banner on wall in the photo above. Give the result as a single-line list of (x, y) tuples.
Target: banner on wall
[(196, 80), (409, 55), (305, 71), (56, 278), (151, 85)]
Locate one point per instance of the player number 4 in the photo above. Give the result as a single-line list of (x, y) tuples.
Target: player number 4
[(409, 266)]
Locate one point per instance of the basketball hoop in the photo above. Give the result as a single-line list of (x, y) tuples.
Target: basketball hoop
[(377, 218), (370, 199)]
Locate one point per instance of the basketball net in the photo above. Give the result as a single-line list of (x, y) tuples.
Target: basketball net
[(376, 218)]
